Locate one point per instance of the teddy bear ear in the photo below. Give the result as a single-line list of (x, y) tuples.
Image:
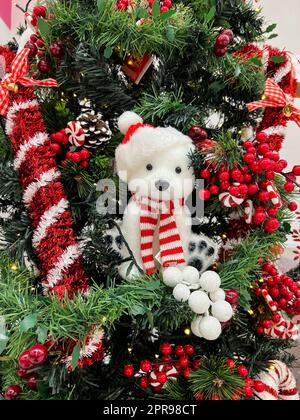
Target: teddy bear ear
[(128, 119)]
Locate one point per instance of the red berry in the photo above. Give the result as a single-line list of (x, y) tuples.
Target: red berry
[(234, 190), (219, 52), (249, 382), (168, 3), (166, 349), (184, 361), (260, 330), (222, 41), (214, 189), (55, 147), (248, 391), (197, 133), (251, 150), (44, 66), (229, 33), (56, 50), (259, 386), (282, 303), (38, 354), (276, 318), (24, 361), (164, 9), (32, 49), (179, 351), (247, 178), (266, 164), (289, 186), (76, 157), (263, 148), (243, 371), (32, 382), (146, 366), (224, 176), (33, 38), (122, 5), (189, 349), (243, 190), (272, 211), (271, 225), (230, 364), (249, 158), (247, 144), (69, 155), (128, 371), (225, 185), (232, 296), (12, 392), (85, 154), (293, 206), (252, 189), (254, 167), (296, 170), (22, 373), (161, 377), (267, 324), (204, 195), (274, 292), (59, 137), (270, 175), (283, 163), (261, 137), (144, 382), (263, 196), (258, 218), (186, 373), (205, 174), (84, 164), (39, 11), (236, 174)]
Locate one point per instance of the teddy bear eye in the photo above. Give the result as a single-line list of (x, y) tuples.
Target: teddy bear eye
[(178, 170), (149, 167)]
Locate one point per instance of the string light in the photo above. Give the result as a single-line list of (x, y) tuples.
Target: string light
[(251, 312), (129, 350), (187, 331), (104, 319), (157, 356), (13, 267), (224, 236)]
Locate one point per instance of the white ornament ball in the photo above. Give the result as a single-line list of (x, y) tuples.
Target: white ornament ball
[(172, 276), (181, 293), (222, 310), (190, 275), (210, 328), (195, 326), (199, 302), (217, 295), (210, 281)]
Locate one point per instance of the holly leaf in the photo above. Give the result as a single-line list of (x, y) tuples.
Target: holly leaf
[(108, 52), (156, 9), (278, 59), (210, 15), (75, 356), (168, 14), (170, 32), (44, 27), (271, 28), (101, 5), (42, 334), (28, 322)]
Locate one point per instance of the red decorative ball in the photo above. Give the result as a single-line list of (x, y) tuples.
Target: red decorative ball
[(236, 174), (84, 164), (197, 133), (267, 324), (234, 190), (144, 382), (22, 373), (263, 196), (230, 364), (55, 147), (259, 386), (263, 148), (164, 9), (247, 144), (32, 49), (293, 206), (128, 371), (296, 170), (161, 377), (259, 217), (204, 195), (85, 154), (248, 391), (12, 392), (32, 382), (243, 190), (289, 186), (249, 382), (260, 330), (271, 225), (243, 371), (224, 176), (270, 175), (166, 349), (222, 41), (168, 3), (266, 164), (44, 66), (249, 158), (219, 52), (179, 351), (229, 33), (197, 364), (276, 318), (205, 173), (189, 349), (184, 362), (24, 361), (146, 366), (186, 373), (76, 157), (261, 137), (39, 11), (121, 5), (225, 185), (214, 189), (33, 38), (252, 189), (232, 296), (40, 43), (56, 50), (38, 354)]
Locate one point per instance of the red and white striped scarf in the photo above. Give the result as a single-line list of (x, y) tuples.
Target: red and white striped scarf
[(153, 212)]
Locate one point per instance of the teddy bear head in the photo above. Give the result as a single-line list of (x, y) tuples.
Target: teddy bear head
[(154, 161)]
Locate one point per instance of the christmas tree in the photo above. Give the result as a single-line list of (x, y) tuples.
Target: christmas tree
[(89, 308)]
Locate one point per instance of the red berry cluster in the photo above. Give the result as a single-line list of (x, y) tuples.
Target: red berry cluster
[(223, 40), (165, 5), (284, 291), (178, 358), (60, 139), (249, 383)]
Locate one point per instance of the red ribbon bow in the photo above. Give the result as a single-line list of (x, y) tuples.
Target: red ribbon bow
[(19, 69), (275, 97)]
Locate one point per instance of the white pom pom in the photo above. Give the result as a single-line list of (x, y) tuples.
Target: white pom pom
[(199, 302), (195, 326), (210, 328), (181, 293), (219, 294), (222, 310), (172, 276), (190, 275), (210, 281), (127, 119)]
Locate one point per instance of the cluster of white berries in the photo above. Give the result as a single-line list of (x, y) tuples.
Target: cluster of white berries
[(204, 296)]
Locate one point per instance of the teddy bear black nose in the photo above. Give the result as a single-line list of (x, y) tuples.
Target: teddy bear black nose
[(162, 185)]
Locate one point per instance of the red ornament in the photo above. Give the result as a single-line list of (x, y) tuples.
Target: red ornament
[(128, 371), (189, 349), (39, 11), (243, 371), (224, 176), (232, 296), (259, 386), (261, 137), (220, 52), (38, 354), (229, 33), (296, 170), (222, 41), (146, 366), (248, 391), (249, 382), (271, 225), (76, 157), (56, 50), (179, 351), (249, 158), (168, 3), (44, 66), (204, 195), (161, 377), (214, 189), (186, 373), (24, 361), (12, 392), (22, 373), (205, 174), (252, 189), (85, 154), (230, 364), (263, 196), (40, 43), (164, 9), (289, 186), (84, 164), (166, 349), (197, 134), (144, 382), (56, 149), (32, 382), (32, 49), (184, 362), (293, 206)]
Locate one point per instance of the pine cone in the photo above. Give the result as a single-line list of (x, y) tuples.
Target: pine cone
[(97, 131)]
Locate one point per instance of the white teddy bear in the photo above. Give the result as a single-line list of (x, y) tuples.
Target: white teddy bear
[(156, 225)]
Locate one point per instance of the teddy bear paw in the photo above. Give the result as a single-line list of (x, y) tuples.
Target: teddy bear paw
[(202, 252)]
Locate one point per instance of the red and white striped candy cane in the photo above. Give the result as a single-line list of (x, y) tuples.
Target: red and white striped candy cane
[(284, 329), (274, 195), (249, 210), (269, 300), (229, 200)]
